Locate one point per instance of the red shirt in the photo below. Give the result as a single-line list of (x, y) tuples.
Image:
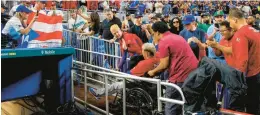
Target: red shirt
[(228, 57), (182, 59), (246, 50), (144, 66), (133, 43)]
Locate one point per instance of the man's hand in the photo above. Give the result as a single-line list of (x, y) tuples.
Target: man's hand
[(193, 39), (99, 36), (144, 27), (211, 43), (112, 40), (151, 73)]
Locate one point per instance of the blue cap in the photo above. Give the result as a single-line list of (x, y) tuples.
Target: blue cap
[(188, 19), (138, 14), (166, 15), (22, 8)]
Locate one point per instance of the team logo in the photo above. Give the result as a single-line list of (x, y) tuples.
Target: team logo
[(238, 39)]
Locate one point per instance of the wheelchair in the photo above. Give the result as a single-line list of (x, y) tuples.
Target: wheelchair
[(141, 99)]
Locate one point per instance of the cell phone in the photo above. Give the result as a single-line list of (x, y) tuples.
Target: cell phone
[(217, 26)]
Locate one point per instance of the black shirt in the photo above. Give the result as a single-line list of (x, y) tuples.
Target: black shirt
[(131, 24), (95, 28), (137, 30), (105, 27)]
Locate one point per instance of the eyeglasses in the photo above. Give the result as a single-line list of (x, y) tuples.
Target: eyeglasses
[(175, 21)]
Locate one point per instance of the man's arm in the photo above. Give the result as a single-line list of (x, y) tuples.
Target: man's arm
[(164, 63)]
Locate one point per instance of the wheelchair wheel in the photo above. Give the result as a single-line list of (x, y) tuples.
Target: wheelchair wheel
[(138, 102)]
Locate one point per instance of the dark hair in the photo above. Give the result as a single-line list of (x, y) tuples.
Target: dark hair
[(160, 27), (226, 24), (236, 13), (95, 18)]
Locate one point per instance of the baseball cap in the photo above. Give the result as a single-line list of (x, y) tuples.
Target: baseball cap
[(219, 13), (43, 1), (22, 8), (113, 9), (157, 15), (138, 14), (188, 19)]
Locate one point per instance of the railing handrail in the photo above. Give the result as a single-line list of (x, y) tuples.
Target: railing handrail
[(91, 36), (128, 76)]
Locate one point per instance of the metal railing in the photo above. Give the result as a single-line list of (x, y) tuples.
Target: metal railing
[(110, 73)]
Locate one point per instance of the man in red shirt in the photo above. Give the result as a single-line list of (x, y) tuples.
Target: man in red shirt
[(150, 61), (129, 43), (177, 56), (246, 53), (225, 45)]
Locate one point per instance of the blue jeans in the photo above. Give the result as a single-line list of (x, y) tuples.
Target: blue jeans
[(170, 108)]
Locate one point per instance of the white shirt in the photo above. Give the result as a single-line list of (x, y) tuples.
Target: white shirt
[(247, 10), (158, 7), (13, 22), (79, 23), (57, 12), (149, 5)]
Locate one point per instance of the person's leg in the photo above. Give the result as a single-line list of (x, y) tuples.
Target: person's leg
[(258, 93), (113, 88), (252, 94), (170, 108)]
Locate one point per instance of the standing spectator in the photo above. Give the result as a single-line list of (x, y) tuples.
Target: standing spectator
[(176, 55), (158, 7), (140, 29), (166, 8), (127, 23), (93, 24), (123, 6), (39, 6), (15, 27), (190, 32), (251, 21), (53, 10), (214, 34), (225, 8), (104, 31), (176, 26), (4, 16), (246, 50)]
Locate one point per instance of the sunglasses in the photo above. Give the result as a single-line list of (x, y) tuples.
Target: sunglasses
[(175, 21)]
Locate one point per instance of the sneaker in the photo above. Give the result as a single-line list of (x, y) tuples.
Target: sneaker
[(92, 92)]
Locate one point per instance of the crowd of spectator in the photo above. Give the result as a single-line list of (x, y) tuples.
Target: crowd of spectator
[(228, 31)]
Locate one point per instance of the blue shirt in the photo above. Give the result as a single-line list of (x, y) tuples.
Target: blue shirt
[(198, 33), (166, 9), (141, 8), (217, 37)]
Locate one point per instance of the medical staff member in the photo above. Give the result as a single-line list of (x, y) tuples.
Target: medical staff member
[(15, 27)]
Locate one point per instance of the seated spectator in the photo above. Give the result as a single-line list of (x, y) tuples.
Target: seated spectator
[(190, 33), (140, 29), (15, 27), (176, 26), (251, 21), (150, 62), (224, 47), (205, 22), (166, 20)]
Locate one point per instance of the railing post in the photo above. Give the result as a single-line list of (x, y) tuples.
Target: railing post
[(85, 86), (159, 95), (124, 96), (107, 102)]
